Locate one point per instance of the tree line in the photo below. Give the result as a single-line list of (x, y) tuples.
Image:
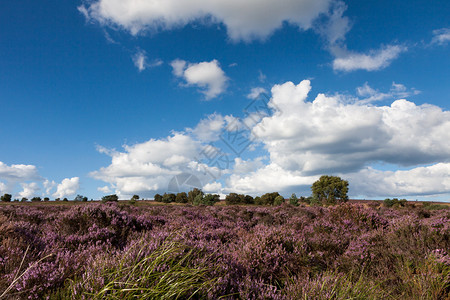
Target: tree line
[(328, 190)]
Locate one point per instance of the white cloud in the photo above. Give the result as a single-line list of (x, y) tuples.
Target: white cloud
[(105, 189), (67, 187), (214, 188), (303, 139), (148, 167), (397, 91), (206, 75), (244, 20), (18, 172), (336, 26), (29, 190), (247, 166), (429, 180), (256, 92), (49, 185), (373, 61), (141, 62), (210, 128), (3, 188), (441, 36)]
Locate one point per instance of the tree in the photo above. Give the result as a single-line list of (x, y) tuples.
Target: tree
[(79, 198), (268, 198), (24, 199), (135, 198), (330, 190), (158, 198), (46, 199), (194, 193), (208, 199), (293, 200), (181, 198), (278, 200), (110, 198), (36, 199), (168, 198), (6, 198)]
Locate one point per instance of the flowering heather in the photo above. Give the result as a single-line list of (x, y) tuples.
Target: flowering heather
[(120, 251)]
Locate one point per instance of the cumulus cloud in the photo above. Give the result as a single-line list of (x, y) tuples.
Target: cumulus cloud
[(303, 138), (105, 189), (372, 61), (141, 62), (441, 36), (428, 180), (18, 172), (3, 188), (29, 190), (244, 20), (67, 187), (206, 75), (147, 167), (209, 128)]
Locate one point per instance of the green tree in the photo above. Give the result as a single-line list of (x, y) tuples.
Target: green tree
[(193, 194), (157, 198), (168, 198), (181, 198), (135, 198), (330, 190), (80, 198), (208, 199), (46, 199), (268, 198), (6, 198), (278, 200), (24, 199), (110, 198), (293, 200), (36, 199)]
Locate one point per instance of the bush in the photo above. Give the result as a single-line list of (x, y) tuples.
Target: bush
[(110, 198), (278, 200), (36, 199), (293, 200)]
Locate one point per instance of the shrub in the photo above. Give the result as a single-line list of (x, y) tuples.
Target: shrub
[(278, 200), (36, 199), (110, 198), (293, 200)]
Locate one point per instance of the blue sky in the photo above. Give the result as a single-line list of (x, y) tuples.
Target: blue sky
[(110, 96)]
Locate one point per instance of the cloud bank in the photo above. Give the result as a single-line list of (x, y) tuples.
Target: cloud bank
[(304, 139)]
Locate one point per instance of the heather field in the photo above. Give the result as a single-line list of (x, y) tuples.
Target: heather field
[(123, 251)]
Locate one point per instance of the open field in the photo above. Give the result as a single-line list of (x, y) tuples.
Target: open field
[(120, 251)]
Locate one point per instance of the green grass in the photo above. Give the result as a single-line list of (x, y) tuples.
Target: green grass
[(169, 272)]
